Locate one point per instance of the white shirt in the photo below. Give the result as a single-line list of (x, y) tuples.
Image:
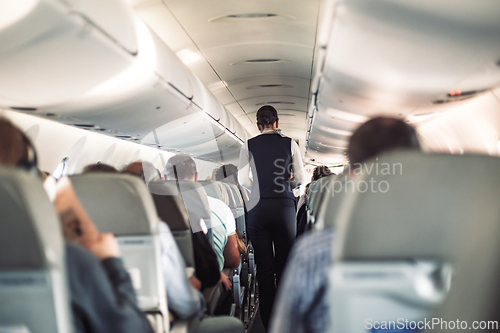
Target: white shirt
[(223, 225), (247, 169)]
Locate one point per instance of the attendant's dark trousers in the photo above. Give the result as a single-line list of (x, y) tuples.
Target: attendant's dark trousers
[(271, 221)]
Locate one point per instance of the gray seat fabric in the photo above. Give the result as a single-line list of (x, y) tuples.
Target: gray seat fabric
[(393, 248), (330, 203), (121, 204), (317, 191), (33, 291), (171, 209)]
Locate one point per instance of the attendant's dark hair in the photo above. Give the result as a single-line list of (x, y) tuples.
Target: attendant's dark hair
[(378, 135), (266, 115)]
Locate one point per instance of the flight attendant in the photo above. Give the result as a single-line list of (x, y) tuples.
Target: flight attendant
[(266, 165)]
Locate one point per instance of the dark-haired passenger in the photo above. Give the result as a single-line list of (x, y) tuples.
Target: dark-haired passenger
[(271, 158), (99, 167), (102, 296), (306, 308), (321, 171), (144, 170)]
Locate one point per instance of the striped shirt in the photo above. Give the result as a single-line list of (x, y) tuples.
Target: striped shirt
[(301, 304)]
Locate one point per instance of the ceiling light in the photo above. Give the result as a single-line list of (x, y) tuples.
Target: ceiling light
[(261, 61), (336, 131), (348, 116), (249, 16), (187, 56)]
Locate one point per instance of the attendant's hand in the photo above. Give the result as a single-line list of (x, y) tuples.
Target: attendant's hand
[(103, 247), (224, 279)]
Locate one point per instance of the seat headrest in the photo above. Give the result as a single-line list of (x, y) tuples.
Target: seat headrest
[(231, 202), (117, 203), (30, 234), (419, 204), (193, 195), (212, 188)]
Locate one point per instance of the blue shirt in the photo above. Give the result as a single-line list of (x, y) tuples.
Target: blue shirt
[(301, 304)]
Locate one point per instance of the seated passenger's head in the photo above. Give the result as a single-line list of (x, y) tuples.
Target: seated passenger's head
[(227, 173), (181, 167), (144, 170), (99, 167), (321, 171), (378, 135), (16, 149), (267, 117)]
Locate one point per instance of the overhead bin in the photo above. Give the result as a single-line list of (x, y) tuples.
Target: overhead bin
[(95, 63), (51, 53)]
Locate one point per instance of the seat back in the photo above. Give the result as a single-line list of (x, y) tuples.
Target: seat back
[(171, 210), (33, 290), (409, 220), (317, 191), (474, 298), (240, 211), (330, 203), (122, 205)]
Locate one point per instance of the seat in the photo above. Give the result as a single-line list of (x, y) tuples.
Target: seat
[(318, 190), (122, 205), (33, 289), (240, 211), (330, 202), (394, 245), (170, 207)]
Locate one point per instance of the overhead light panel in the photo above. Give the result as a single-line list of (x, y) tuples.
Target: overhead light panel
[(261, 61), (270, 86), (274, 102), (249, 16)]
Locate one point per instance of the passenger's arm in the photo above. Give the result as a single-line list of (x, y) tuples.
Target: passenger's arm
[(299, 174), (231, 252), (183, 300), (244, 167)]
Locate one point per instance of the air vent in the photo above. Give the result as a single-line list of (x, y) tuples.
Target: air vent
[(20, 108), (249, 16), (261, 61), (84, 125), (270, 86), (275, 102), (123, 136)]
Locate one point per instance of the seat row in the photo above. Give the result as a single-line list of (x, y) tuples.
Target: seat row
[(33, 293), (417, 241)]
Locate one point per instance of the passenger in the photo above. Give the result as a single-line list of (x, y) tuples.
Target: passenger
[(227, 173), (183, 167), (271, 158), (144, 170), (306, 308), (301, 214), (99, 167), (321, 171), (206, 265), (103, 299)]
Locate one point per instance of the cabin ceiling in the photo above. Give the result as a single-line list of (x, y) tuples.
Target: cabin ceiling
[(245, 61), (385, 57)]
